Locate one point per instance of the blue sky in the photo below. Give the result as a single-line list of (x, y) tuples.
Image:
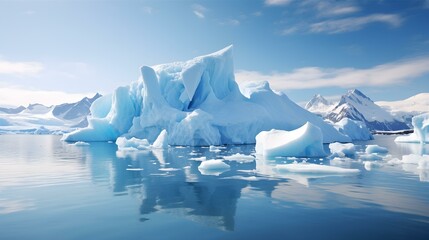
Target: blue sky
[(59, 51)]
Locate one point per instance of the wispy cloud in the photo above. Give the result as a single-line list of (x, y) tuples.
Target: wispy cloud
[(277, 2), (230, 22), (8, 96), (330, 8), (199, 10), (20, 68), (316, 77), (354, 23), (343, 25)]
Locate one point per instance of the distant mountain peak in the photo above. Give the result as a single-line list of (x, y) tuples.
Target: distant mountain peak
[(318, 105), (357, 106)]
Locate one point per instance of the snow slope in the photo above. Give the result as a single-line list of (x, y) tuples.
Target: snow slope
[(356, 106), (319, 105), (407, 108), (198, 102), (37, 118)]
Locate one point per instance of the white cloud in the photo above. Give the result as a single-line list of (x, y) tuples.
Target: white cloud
[(199, 10), (316, 77), (354, 23), (277, 2), (330, 8), (341, 10), (16, 96), (20, 68)]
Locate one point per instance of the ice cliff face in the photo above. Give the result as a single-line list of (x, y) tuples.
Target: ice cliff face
[(198, 102)]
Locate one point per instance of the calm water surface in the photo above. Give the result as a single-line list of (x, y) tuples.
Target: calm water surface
[(53, 190)]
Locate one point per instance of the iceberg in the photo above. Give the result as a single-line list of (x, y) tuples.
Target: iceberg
[(342, 150), (306, 141), (240, 158), (376, 149), (421, 130), (356, 130), (198, 103), (213, 167)]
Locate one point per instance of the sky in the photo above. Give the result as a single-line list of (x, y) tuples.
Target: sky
[(53, 52)]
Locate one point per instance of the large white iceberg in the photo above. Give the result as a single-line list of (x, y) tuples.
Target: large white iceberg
[(421, 130), (306, 141), (197, 102)]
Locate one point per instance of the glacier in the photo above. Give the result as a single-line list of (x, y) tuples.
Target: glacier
[(198, 103)]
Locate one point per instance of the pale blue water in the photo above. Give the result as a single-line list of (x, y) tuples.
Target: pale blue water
[(54, 190)]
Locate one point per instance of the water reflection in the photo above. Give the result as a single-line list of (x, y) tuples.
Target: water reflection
[(167, 181)]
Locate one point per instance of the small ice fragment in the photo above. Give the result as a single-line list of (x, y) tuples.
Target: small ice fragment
[(375, 149), (80, 143)]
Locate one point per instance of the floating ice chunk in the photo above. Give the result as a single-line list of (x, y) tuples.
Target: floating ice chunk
[(309, 168), (342, 150), (132, 144), (200, 159), (134, 169), (216, 148), (241, 158), (369, 165), (213, 167), (80, 143), (162, 140), (306, 141), (356, 130), (168, 169), (375, 149), (421, 130)]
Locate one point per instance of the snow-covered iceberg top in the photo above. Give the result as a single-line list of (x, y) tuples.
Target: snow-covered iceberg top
[(421, 130), (197, 102), (306, 141)]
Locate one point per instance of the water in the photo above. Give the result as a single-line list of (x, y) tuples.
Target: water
[(54, 190)]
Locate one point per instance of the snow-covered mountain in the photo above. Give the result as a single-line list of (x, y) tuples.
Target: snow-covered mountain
[(38, 118), (356, 106), (12, 110), (319, 105), (408, 108)]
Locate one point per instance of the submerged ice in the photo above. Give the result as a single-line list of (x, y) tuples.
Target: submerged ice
[(197, 102)]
